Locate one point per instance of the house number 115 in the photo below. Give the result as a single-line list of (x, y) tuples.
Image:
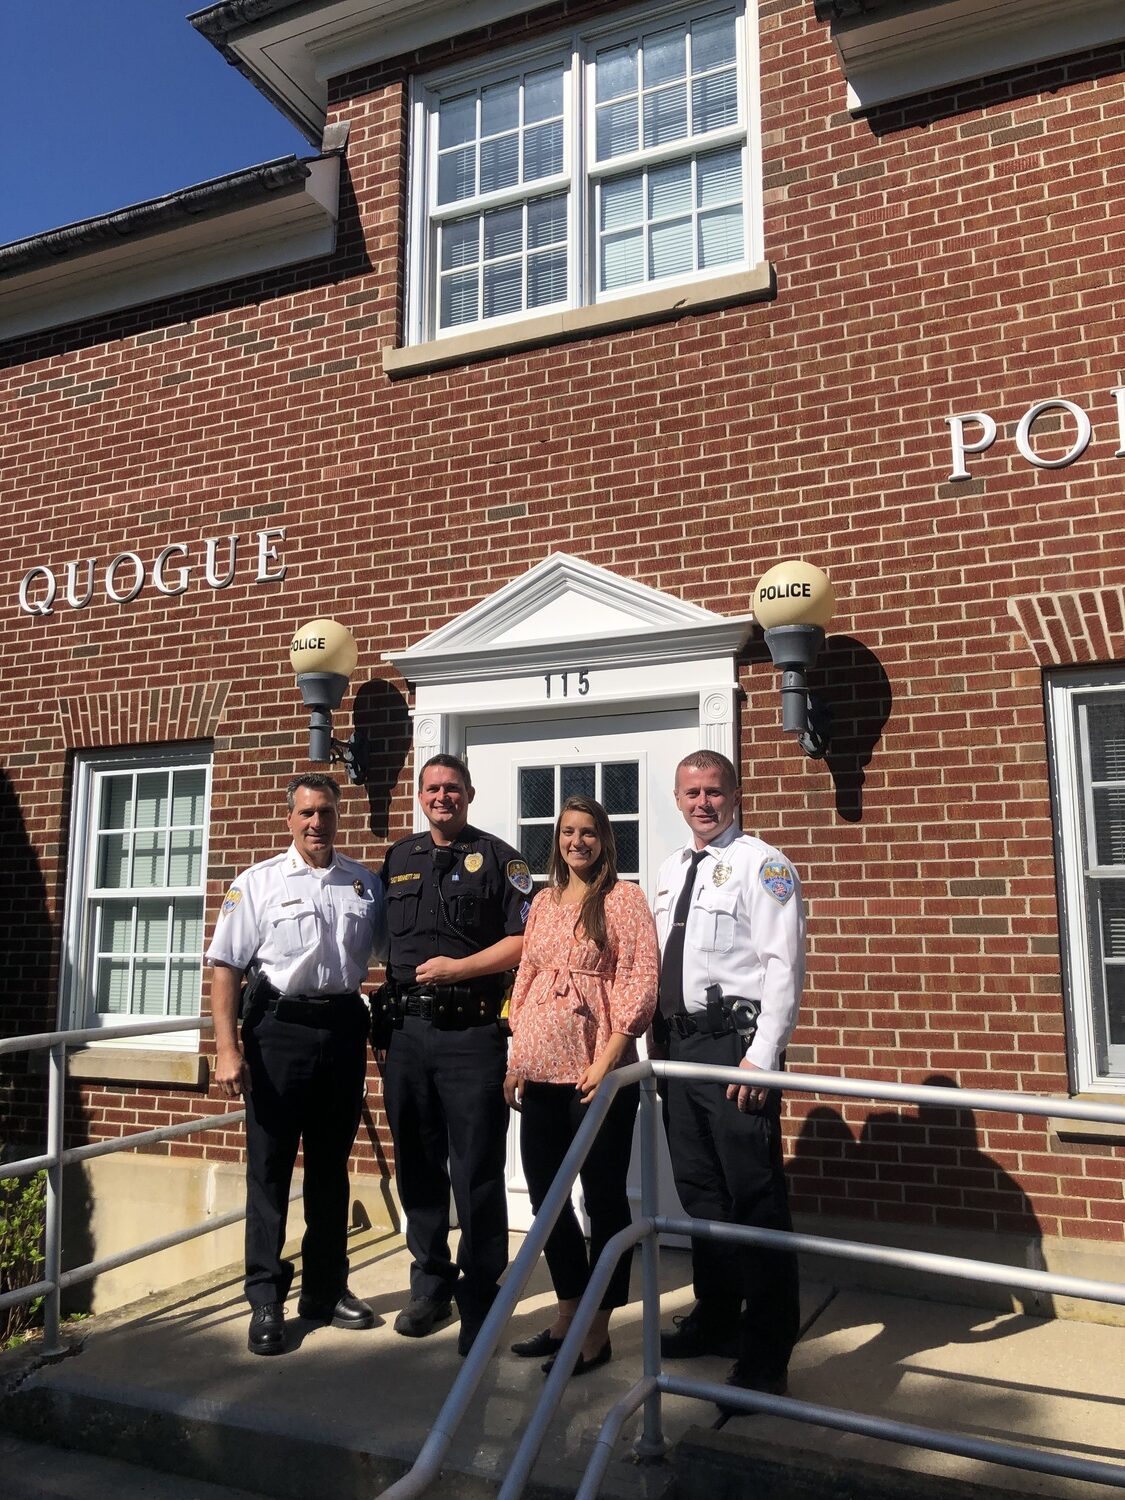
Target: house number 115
[(564, 678)]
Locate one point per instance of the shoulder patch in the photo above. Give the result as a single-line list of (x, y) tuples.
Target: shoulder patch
[(231, 900), (777, 880), (519, 876)]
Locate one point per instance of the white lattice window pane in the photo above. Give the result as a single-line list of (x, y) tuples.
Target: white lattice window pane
[(187, 925), (189, 794), (1109, 825), (577, 781), (664, 57), (148, 987), (617, 129), (546, 222), (111, 987), (111, 862), (546, 278), (712, 41), (622, 201), (457, 175), (714, 102), (543, 151), (148, 859), (116, 928), (665, 115), (1107, 741), (500, 107), (627, 837), (460, 243), (669, 190), (719, 178), (184, 987), (503, 288), (499, 163), (543, 94), (460, 299), (185, 857), (503, 232), (720, 237), (670, 249), (116, 802), (457, 121), (615, 72), (152, 927), (152, 801), (623, 260)]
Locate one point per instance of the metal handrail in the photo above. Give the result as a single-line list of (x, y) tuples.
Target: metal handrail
[(651, 1224), (55, 1280)]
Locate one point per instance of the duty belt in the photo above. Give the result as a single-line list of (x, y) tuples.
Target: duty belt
[(724, 1014), (307, 1010), (450, 1007)]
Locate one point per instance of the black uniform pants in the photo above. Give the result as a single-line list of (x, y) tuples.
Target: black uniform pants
[(444, 1096), (306, 1086), (728, 1167), (552, 1115)]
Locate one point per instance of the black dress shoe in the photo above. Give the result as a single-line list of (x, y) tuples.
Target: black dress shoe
[(267, 1329), (420, 1316), (700, 1332), (747, 1379), (583, 1366), (538, 1345), (347, 1312)]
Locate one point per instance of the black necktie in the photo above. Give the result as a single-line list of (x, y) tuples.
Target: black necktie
[(672, 961)]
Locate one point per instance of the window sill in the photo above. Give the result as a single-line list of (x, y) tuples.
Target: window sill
[(661, 306), (1105, 1132), (185, 1070)]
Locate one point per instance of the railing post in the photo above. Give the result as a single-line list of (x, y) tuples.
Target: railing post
[(56, 1107), (650, 1443)]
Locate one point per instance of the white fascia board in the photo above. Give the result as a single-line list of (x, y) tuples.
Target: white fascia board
[(293, 55), (891, 55), (283, 229)]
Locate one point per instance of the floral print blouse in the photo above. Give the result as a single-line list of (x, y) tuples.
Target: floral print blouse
[(569, 997)]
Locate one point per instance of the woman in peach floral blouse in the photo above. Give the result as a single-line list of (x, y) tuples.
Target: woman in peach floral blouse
[(585, 991)]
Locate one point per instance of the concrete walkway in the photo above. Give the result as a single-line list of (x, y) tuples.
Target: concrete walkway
[(168, 1384)]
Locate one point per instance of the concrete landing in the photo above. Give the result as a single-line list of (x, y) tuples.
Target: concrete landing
[(168, 1384)]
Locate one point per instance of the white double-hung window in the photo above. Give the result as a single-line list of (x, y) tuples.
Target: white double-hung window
[(601, 164), (135, 909), (1088, 766)]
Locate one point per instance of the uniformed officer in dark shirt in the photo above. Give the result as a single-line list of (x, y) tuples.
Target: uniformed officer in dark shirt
[(457, 902)]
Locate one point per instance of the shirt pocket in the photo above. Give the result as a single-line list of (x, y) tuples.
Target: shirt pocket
[(292, 929), (711, 922), (355, 922), (402, 907)]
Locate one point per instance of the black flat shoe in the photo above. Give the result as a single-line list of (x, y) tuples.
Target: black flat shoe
[(267, 1329), (583, 1366), (538, 1345), (347, 1312)]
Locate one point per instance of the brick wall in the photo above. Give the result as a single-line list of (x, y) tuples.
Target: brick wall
[(957, 254)]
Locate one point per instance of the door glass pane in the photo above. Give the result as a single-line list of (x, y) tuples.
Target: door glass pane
[(628, 839), (620, 787), (535, 845), (577, 781), (537, 792)]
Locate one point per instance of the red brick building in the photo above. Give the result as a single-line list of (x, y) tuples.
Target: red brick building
[(572, 325)]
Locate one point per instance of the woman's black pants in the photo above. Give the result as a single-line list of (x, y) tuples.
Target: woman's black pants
[(552, 1115)]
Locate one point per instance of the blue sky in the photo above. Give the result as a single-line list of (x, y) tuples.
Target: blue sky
[(109, 102)]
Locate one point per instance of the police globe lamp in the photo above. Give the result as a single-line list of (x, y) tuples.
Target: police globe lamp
[(793, 603), (323, 655)]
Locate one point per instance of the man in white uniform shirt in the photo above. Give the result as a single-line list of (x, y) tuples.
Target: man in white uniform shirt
[(301, 927), (732, 930)]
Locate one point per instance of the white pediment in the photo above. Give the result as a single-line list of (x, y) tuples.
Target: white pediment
[(562, 606)]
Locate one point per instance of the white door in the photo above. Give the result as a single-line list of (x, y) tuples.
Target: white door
[(523, 769)]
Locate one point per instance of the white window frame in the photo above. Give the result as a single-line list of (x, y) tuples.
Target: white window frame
[(1066, 693), (580, 170), (76, 980)]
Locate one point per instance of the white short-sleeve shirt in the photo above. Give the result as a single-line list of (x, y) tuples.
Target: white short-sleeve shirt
[(745, 931), (311, 931)]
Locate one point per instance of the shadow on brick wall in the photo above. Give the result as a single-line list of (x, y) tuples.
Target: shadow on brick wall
[(851, 680), (383, 716)]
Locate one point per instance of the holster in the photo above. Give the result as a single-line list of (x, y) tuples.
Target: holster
[(386, 1015)]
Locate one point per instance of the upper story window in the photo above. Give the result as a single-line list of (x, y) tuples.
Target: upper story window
[(135, 908), (600, 164), (1088, 763)]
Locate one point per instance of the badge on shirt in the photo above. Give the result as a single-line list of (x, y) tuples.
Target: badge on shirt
[(777, 880), (720, 874), (357, 887), (473, 862), (231, 900), (520, 876)]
